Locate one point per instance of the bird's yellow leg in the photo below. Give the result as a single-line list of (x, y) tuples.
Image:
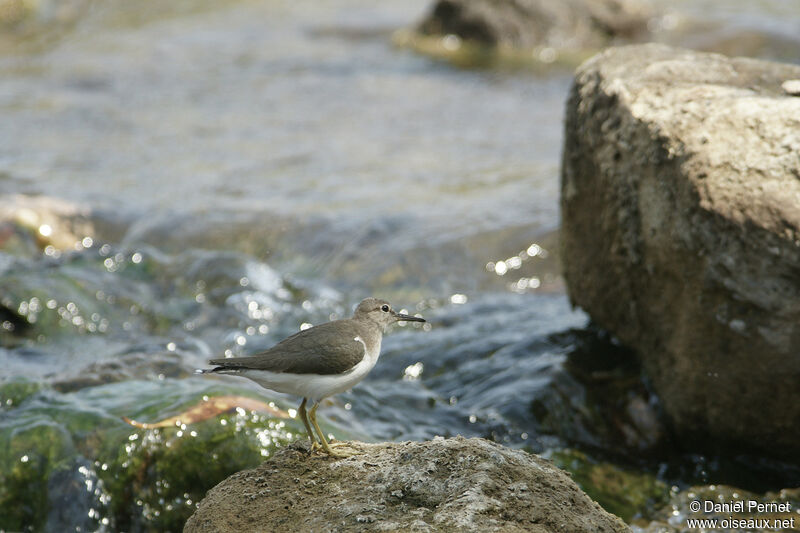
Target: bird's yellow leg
[(304, 418), (312, 414)]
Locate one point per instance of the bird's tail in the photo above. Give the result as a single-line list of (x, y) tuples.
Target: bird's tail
[(216, 370)]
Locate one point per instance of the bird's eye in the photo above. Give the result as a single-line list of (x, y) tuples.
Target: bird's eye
[(385, 308)]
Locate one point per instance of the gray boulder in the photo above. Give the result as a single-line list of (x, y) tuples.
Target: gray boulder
[(681, 234), (441, 485), (538, 23)]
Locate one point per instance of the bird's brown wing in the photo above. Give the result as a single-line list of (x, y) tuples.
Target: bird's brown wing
[(329, 348)]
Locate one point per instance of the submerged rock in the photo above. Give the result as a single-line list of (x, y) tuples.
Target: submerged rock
[(681, 234), (441, 485), (51, 222)]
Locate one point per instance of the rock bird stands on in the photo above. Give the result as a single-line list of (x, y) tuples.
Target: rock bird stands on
[(320, 361)]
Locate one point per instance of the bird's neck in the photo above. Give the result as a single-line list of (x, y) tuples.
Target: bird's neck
[(372, 337)]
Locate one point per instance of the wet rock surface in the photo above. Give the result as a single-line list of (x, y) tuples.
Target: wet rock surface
[(681, 234), (439, 485)]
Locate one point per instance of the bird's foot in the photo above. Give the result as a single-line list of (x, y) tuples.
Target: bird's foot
[(349, 452), (341, 454), (317, 448), (340, 444)]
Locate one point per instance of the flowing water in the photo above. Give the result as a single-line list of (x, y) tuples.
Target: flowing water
[(217, 174)]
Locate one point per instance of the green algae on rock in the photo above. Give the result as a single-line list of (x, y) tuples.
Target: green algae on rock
[(14, 391), (623, 492), (134, 479)]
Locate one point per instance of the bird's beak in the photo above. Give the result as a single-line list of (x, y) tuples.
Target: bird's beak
[(407, 318)]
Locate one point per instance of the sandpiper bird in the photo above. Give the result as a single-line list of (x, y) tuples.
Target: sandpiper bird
[(320, 361)]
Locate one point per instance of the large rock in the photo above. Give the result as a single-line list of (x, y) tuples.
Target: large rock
[(681, 233), (538, 23), (441, 485)]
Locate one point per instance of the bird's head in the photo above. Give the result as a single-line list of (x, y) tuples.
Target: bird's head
[(381, 313)]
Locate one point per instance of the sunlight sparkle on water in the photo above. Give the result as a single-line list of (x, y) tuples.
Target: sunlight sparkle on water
[(515, 262), (458, 299), (547, 55), (413, 372), (523, 284), (500, 268), (534, 250), (451, 42)]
